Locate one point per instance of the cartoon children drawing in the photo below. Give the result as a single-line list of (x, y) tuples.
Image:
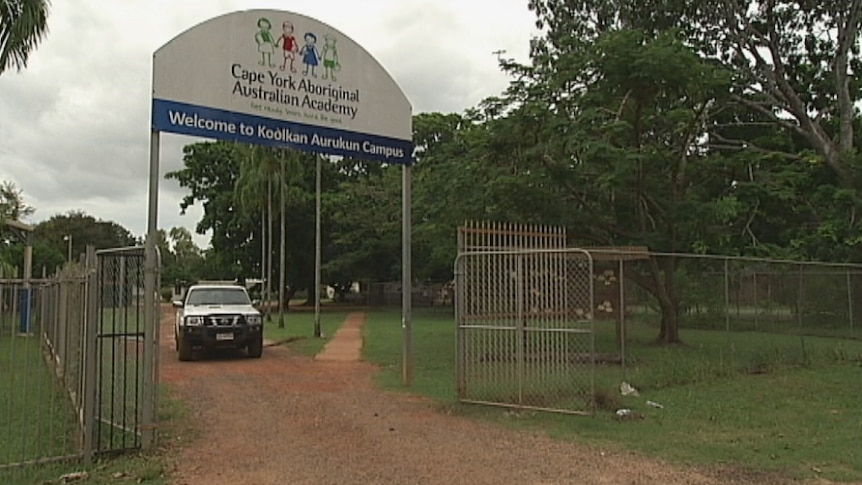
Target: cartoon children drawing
[(287, 42), (330, 57), (310, 54), (265, 42)]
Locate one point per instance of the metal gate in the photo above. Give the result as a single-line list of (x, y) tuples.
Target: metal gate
[(125, 363), (525, 328)]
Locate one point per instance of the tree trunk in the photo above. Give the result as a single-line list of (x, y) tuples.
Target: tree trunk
[(312, 295), (664, 274), (669, 332)]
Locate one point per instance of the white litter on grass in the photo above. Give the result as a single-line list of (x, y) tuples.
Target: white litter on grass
[(624, 413), (626, 389), (73, 477), (654, 404)]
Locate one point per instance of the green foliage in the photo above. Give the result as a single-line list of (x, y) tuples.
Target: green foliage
[(85, 230), (23, 24), (12, 205), (210, 173), (241, 190), (182, 261)]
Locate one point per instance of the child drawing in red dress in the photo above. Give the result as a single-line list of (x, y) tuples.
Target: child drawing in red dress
[(287, 42)]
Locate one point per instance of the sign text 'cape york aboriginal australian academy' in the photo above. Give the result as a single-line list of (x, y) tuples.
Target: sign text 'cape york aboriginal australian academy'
[(281, 79)]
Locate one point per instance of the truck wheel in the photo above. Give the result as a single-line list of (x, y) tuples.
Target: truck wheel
[(185, 349), (255, 347)]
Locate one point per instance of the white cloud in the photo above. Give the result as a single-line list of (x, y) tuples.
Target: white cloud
[(74, 125)]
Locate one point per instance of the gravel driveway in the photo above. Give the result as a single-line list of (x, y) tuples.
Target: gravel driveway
[(288, 419)]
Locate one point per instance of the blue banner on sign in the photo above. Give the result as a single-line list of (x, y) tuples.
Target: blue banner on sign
[(194, 120)]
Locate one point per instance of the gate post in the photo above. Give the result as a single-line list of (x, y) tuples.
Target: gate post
[(152, 321), (92, 319)]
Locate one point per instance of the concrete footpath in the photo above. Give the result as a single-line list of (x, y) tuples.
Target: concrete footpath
[(346, 344)]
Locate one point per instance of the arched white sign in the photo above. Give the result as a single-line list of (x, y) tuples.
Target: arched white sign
[(283, 79)]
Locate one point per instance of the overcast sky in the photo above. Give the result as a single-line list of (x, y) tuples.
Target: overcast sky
[(74, 125)]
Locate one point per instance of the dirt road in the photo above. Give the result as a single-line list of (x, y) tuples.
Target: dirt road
[(289, 419)]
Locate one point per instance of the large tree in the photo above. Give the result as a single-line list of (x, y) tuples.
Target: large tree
[(792, 113), (692, 126), (211, 173), (84, 230), (23, 24), (611, 132)]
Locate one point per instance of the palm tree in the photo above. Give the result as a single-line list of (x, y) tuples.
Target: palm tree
[(258, 167), (12, 205), (23, 24), (263, 171)]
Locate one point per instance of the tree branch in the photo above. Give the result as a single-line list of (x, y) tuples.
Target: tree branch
[(734, 144), (764, 110), (847, 34)]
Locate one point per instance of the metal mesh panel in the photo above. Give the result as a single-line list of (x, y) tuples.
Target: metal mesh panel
[(525, 329), (736, 316), (40, 388), (120, 350)]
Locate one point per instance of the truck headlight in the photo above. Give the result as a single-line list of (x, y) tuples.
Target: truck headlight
[(253, 319), (194, 320)]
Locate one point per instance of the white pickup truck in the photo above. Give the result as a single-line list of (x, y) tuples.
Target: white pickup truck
[(217, 316)]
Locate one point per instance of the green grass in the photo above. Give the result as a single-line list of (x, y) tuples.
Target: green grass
[(434, 352), (298, 331), (792, 421), (141, 467), (775, 403), (710, 354), (36, 416), (37, 420)]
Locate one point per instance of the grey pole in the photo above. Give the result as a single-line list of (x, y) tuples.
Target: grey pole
[(317, 332), (850, 301), (727, 297), (151, 268), (406, 287), (622, 317), (28, 292), (283, 236), (90, 347), (269, 249)]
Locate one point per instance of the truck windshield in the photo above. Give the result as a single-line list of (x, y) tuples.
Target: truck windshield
[(218, 296)]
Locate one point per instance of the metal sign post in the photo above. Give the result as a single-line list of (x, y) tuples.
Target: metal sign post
[(227, 79)]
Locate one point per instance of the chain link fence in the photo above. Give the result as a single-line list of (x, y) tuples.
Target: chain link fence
[(657, 320), (718, 317), (41, 371), (75, 380)]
